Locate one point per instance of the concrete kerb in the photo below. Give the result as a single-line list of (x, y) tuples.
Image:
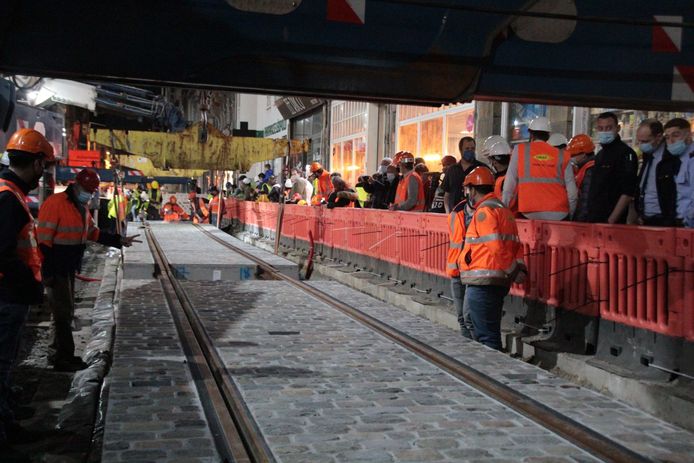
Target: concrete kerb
[(77, 416)]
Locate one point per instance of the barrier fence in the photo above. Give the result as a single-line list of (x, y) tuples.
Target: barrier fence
[(638, 276)]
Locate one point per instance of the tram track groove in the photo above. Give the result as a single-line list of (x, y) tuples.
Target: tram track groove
[(236, 434), (578, 434)]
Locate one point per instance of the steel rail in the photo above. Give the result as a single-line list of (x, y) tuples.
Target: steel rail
[(236, 432), (578, 434)]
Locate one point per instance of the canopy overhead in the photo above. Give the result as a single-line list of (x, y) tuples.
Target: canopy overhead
[(196, 149), (618, 53)]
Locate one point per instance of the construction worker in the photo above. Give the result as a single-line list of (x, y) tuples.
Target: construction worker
[(198, 207), (543, 175), (173, 212), (217, 205), (499, 155), (437, 202), (116, 210), (582, 152), (135, 204), (458, 221), (322, 186), (155, 199), (65, 225), (492, 257), (20, 262), (558, 140), (410, 193)]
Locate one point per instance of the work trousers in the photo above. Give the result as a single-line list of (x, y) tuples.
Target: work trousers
[(12, 320), (61, 300), (458, 296), (484, 304)]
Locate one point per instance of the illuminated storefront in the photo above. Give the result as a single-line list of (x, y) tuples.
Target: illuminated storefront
[(348, 135), (431, 133)]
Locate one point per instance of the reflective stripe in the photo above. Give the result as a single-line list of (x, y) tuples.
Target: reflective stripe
[(454, 245), (484, 273), (43, 224), (62, 229), (492, 237), (45, 236), (452, 265), (68, 241), (493, 203), (451, 223), (25, 244)]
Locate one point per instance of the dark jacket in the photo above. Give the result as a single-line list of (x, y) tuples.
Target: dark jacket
[(614, 175), (17, 285), (379, 192), (583, 206), (665, 172), (67, 259)]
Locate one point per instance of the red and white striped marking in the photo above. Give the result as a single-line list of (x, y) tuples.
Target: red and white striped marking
[(667, 39), (347, 11)]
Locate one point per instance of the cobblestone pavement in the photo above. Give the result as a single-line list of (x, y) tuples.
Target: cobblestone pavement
[(324, 388), (631, 427), (154, 412)]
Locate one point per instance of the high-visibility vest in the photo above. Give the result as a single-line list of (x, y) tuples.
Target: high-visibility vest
[(155, 196), (61, 223), (121, 207), (492, 252), (203, 209), (581, 174), (401, 192), (362, 194), (27, 247), (456, 237), (322, 185), (499, 188), (214, 204), (173, 212), (541, 185)]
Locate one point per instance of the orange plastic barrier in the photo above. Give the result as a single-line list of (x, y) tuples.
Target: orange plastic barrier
[(637, 284), (638, 276)]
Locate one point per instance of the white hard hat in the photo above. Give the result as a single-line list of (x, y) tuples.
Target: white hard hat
[(540, 124), (489, 141), (500, 148), (5, 160), (288, 183), (557, 139), (246, 181)]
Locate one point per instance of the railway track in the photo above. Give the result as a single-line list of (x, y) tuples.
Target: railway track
[(583, 437)]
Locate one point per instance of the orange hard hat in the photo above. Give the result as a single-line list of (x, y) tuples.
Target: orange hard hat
[(172, 199), (580, 144), (403, 156), (88, 179), (479, 176), (315, 165), (30, 141), (448, 160)]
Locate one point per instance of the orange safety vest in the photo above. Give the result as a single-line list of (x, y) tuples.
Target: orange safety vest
[(498, 192), (401, 192), (541, 186), (27, 247), (456, 236), (61, 223), (492, 253), (324, 185), (173, 212), (581, 174), (214, 204)]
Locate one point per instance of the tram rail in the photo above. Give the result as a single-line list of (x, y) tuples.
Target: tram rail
[(236, 434), (574, 432)]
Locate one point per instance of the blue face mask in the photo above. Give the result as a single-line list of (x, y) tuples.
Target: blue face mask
[(678, 148), (469, 155), (646, 148), (605, 138), (84, 197)]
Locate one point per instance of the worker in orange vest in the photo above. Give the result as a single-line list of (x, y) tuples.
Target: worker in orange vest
[(458, 221), (543, 175), (216, 205), (198, 207), (409, 195), (173, 212), (492, 257), (28, 153), (582, 151), (65, 226), (500, 156), (322, 186)]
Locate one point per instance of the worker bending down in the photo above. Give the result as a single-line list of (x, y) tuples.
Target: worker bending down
[(173, 212), (492, 257)]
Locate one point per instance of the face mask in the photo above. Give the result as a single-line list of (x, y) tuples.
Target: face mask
[(678, 148), (605, 138), (84, 197), (646, 148), (469, 155), (390, 177), (382, 169)]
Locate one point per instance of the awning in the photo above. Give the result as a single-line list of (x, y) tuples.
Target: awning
[(195, 149), (618, 53)]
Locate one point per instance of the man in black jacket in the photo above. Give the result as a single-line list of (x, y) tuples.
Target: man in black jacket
[(614, 179), (656, 202)]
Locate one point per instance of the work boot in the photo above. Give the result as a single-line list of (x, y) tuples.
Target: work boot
[(69, 364)]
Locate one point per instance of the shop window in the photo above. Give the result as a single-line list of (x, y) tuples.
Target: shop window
[(407, 138), (459, 125), (431, 143)]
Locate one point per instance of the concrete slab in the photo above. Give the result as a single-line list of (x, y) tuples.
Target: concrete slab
[(138, 262)]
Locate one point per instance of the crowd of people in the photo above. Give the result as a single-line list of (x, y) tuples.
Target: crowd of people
[(548, 177)]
